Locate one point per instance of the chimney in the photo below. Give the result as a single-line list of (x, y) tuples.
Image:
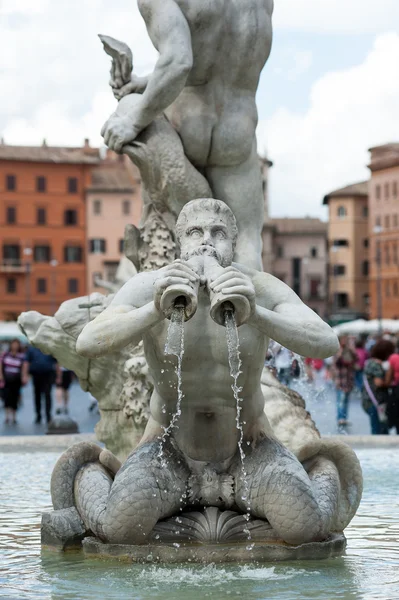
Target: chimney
[(86, 145), (44, 143), (2, 142)]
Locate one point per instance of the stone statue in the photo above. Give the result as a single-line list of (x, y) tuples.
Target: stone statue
[(211, 55), (203, 459)]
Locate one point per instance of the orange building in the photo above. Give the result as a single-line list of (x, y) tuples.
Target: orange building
[(348, 237), (42, 226), (384, 231)]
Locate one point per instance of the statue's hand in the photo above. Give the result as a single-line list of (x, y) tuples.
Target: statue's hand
[(233, 281), (178, 273), (118, 131), (135, 86)]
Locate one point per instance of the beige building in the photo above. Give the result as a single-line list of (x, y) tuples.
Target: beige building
[(113, 200), (295, 251), (348, 238), (384, 231)]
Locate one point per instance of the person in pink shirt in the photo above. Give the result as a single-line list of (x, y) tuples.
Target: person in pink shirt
[(362, 356), (393, 404)]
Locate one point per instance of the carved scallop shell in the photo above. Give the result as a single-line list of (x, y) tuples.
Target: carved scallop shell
[(211, 526)]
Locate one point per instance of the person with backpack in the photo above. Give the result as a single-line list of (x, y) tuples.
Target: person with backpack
[(44, 370), (377, 380)]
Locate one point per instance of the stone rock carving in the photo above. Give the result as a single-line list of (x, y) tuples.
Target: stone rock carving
[(221, 451)]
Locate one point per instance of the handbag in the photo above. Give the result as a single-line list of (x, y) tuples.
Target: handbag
[(381, 409)]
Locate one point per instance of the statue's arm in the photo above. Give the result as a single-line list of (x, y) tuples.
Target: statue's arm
[(170, 34), (281, 315), (123, 322)]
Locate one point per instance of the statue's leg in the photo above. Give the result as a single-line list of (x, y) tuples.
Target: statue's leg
[(240, 187), (145, 490), (280, 490)]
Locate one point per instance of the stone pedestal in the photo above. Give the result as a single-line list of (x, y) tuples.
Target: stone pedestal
[(61, 425)]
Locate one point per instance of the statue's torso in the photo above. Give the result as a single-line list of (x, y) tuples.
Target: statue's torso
[(231, 41), (207, 425)]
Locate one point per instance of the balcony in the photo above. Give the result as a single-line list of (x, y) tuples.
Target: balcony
[(12, 265)]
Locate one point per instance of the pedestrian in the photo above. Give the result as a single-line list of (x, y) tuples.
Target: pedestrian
[(62, 385), (343, 376), (44, 369), (362, 356), (377, 379), (393, 400), (283, 364), (13, 375)]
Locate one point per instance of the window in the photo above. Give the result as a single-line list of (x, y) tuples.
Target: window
[(340, 244), (11, 215), (97, 207), (395, 253), (72, 185), (365, 243), (365, 268), (121, 245), (341, 300), (11, 254), (365, 212), (41, 253), (73, 286), (378, 191), (73, 254), (378, 221), (395, 189), (395, 288), (386, 191), (313, 252), (126, 207), (366, 300), (41, 216), (41, 184), (97, 246), (387, 221), (339, 270), (387, 255), (394, 220), (11, 183), (70, 217), (387, 289), (280, 251), (314, 288), (41, 286), (341, 212), (11, 285)]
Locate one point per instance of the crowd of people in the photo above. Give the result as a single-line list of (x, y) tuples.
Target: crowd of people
[(17, 364), (367, 366)]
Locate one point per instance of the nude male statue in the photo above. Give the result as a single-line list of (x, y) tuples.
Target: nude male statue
[(211, 54), (206, 436)]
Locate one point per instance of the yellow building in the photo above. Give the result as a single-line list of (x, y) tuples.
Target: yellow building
[(348, 243)]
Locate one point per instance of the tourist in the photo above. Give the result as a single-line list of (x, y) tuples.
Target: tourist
[(362, 356), (343, 375), (13, 375), (283, 364), (62, 385), (393, 401), (376, 378), (43, 369)]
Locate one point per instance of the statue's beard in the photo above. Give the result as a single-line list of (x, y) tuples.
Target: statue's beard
[(204, 250)]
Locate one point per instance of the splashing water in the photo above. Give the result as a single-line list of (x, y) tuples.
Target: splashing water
[(233, 346), (175, 346)]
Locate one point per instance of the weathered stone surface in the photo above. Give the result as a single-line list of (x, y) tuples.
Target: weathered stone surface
[(61, 425), (62, 529), (216, 553)]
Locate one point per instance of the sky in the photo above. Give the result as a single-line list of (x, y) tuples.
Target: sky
[(329, 91)]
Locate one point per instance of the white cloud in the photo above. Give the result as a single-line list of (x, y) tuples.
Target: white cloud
[(337, 16), (326, 147), (293, 62)]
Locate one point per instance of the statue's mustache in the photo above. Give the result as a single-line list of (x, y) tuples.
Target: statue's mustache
[(205, 250)]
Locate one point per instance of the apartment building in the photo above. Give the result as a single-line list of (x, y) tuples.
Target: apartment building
[(113, 200), (384, 231), (42, 226), (348, 250)]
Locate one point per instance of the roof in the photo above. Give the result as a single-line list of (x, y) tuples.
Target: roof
[(384, 157), (51, 154), (298, 226), (111, 178), (355, 189)]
